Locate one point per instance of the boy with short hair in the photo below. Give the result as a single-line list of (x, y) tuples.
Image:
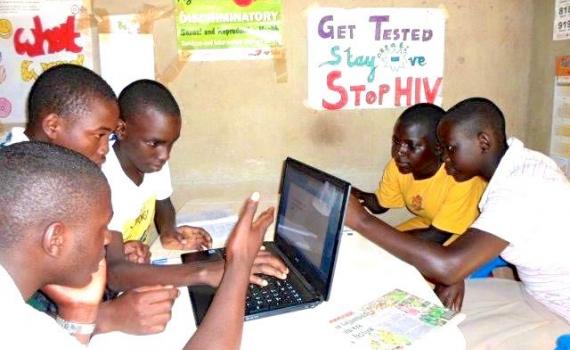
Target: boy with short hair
[(70, 106), (523, 218), (137, 171), (416, 178), (71, 195)]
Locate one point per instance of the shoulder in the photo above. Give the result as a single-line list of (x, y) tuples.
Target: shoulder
[(111, 167), (13, 136)]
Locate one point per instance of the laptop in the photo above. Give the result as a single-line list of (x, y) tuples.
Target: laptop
[(308, 229)]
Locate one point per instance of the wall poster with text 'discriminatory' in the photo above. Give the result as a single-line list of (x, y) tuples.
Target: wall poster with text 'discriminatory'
[(213, 30), (366, 58), (34, 36)]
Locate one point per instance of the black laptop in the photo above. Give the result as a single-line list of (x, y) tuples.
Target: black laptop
[(308, 229)]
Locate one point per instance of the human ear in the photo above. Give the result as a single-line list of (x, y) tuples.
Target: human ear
[(51, 124), (484, 141), (121, 129), (437, 149), (54, 239)]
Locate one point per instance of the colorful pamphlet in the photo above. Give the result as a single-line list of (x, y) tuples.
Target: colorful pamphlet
[(393, 321)]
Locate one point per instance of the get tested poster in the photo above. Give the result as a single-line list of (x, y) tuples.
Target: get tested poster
[(35, 35), (209, 30), (366, 58)]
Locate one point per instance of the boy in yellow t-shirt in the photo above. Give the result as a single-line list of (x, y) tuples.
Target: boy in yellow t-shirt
[(416, 178)]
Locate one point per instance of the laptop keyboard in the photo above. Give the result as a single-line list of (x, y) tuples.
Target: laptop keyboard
[(276, 295)]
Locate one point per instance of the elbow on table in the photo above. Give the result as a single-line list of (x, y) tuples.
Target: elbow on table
[(448, 272)]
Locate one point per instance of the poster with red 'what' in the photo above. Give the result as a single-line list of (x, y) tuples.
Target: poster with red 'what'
[(366, 58), (34, 36)]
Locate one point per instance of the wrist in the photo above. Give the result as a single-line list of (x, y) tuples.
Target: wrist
[(76, 328), (238, 273), (104, 322), (166, 230), (79, 313), (237, 267), (210, 273)]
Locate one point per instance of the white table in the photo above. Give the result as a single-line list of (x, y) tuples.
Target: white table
[(363, 273)]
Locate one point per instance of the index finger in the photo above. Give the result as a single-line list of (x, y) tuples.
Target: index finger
[(264, 220), (155, 287), (248, 211), (157, 295), (205, 235)]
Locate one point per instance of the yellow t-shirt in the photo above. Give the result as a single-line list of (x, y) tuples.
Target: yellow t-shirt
[(439, 201), (136, 229)]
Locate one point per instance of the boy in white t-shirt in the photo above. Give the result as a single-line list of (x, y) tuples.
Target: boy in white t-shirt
[(139, 178), (523, 218), (139, 175)]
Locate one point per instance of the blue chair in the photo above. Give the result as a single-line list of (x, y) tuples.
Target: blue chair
[(487, 269), (563, 342)]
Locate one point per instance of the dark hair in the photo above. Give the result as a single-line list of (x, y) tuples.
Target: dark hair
[(425, 114), (66, 90), (43, 183), (475, 114), (143, 94)]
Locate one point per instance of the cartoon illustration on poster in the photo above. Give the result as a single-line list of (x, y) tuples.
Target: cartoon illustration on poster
[(34, 36), (368, 58), (228, 29)]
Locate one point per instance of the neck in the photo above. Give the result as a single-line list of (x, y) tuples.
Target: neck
[(35, 135), (128, 167), (489, 169), (26, 279), (428, 171)]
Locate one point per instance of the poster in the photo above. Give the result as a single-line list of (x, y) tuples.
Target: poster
[(367, 58), (120, 58), (35, 35), (561, 29), (560, 134), (228, 29)]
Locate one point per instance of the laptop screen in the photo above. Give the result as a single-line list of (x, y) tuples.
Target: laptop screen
[(309, 221)]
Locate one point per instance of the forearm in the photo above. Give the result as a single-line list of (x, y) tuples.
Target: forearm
[(431, 234), (226, 311), (435, 262), (125, 275), (165, 216)]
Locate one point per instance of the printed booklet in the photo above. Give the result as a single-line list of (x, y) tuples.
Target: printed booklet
[(393, 321)]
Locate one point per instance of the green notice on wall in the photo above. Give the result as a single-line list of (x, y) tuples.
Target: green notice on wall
[(229, 29)]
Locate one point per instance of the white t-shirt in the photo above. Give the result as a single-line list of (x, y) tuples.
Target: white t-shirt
[(13, 136), (134, 206), (527, 203), (23, 327)]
